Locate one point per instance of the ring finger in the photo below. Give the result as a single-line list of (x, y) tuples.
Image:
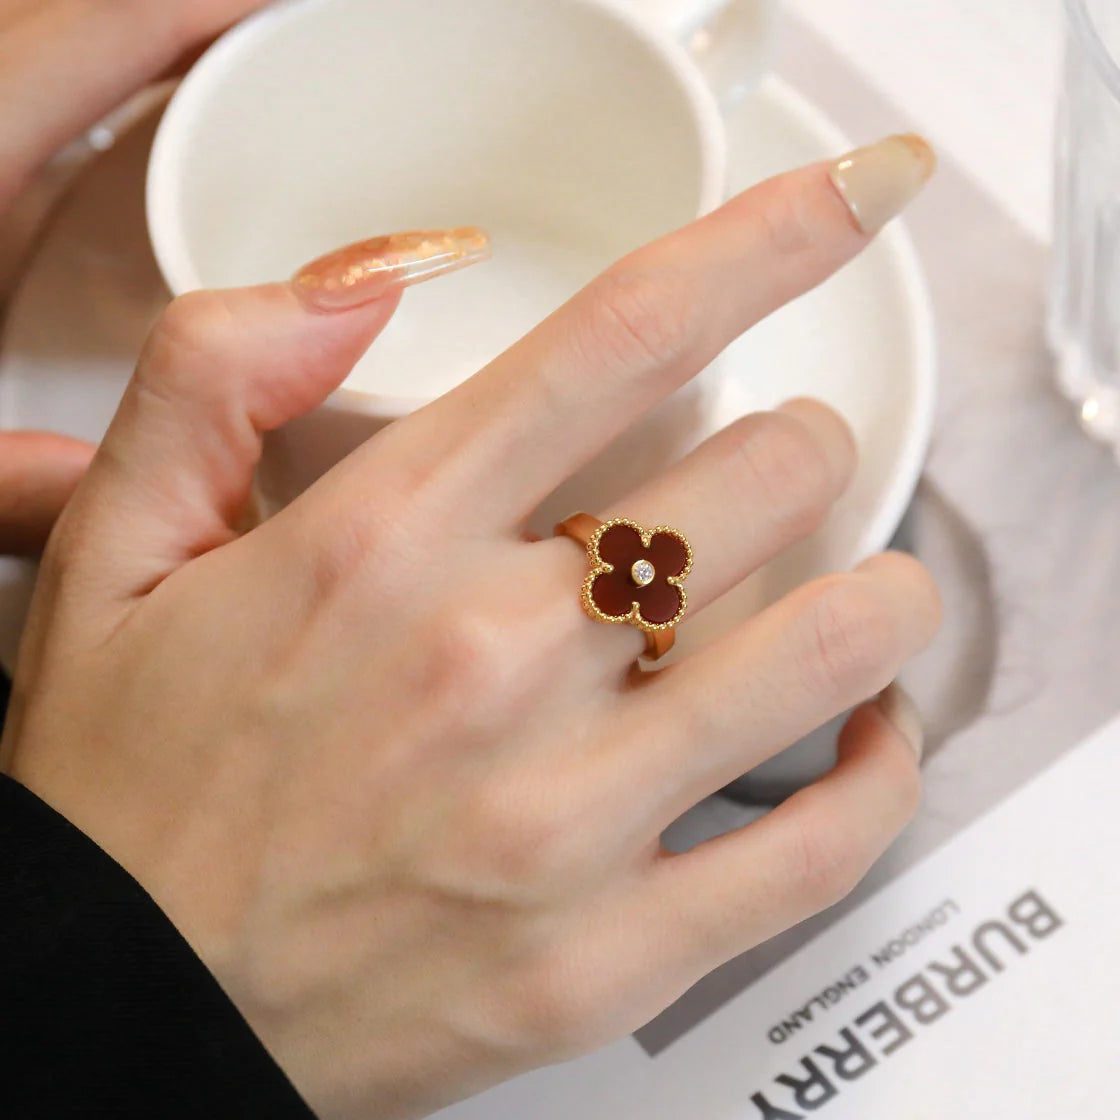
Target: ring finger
[(741, 498)]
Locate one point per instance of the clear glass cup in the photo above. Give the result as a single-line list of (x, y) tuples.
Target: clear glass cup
[(1084, 318)]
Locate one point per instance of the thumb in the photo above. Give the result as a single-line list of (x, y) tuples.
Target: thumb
[(175, 470), (38, 473)]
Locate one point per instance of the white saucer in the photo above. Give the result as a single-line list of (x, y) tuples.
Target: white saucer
[(863, 342)]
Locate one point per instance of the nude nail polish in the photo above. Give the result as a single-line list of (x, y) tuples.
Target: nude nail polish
[(899, 708), (361, 273), (879, 181)]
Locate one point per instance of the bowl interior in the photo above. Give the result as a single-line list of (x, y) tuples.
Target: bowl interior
[(561, 126)]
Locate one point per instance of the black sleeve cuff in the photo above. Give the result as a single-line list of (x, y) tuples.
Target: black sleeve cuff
[(104, 1008)]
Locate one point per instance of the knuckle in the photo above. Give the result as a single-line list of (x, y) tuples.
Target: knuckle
[(467, 672), (60, 567), (785, 464), (468, 652), (831, 432), (192, 322), (523, 842), (353, 544), (791, 225), (560, 1020), (854, 637), (925, 597), (186, 340), (905, 793), (638, 320), (825, 864), (899, 783), (559, 1010)]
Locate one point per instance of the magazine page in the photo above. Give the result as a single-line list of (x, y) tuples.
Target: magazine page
[(995, 996)]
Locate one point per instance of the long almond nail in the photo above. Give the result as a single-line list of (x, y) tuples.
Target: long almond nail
[(902, 713), (879, 182), (363, 272)]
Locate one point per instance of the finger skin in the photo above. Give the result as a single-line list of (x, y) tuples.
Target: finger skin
[(38, 473), (174, 472), (817, 653), (742, 888), (753, 490), (634, 335)]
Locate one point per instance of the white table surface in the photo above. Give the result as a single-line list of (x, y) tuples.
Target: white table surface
[(978, 77)]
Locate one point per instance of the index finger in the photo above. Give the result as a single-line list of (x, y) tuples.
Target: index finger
[(653, 321)]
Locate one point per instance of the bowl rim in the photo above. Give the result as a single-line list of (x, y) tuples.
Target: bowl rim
[(163, 198)]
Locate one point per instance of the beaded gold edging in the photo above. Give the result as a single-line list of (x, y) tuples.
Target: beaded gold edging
[(600, 567)]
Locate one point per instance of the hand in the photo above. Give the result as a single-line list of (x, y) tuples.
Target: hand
[(399, 792), (65, 64)]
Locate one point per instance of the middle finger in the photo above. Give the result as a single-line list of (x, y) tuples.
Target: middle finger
[(741, 498)]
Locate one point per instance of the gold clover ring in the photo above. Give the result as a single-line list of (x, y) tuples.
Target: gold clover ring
[(636, 576)]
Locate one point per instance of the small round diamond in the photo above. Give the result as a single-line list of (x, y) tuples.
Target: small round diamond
[(642, 573)]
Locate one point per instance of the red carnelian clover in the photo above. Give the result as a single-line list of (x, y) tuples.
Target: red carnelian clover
[(615, 592)]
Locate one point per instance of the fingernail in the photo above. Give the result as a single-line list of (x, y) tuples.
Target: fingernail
[(899, 708), (363, 272), (879, 182)]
